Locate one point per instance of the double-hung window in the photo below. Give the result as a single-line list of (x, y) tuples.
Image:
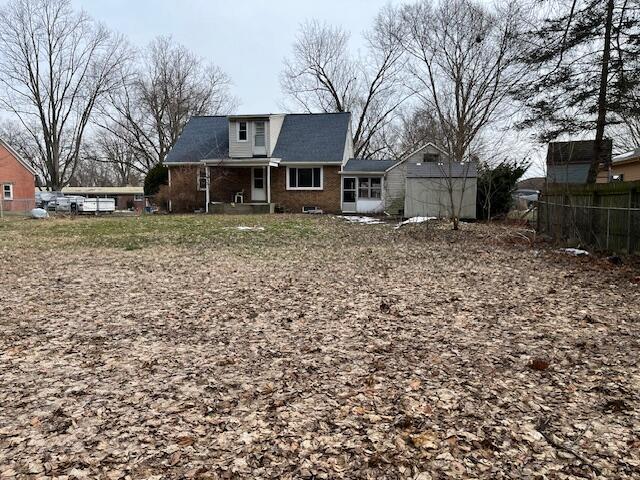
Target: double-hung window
[(7, 191), (259, 140), (369, 187), (243, 131), (307, 178)]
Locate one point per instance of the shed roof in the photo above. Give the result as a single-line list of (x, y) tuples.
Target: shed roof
[(442, 170), (367, 165)]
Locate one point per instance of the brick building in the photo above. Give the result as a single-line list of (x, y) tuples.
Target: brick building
[(260, 163), (17, 181)]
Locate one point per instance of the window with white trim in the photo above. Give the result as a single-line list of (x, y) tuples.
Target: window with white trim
[(370, 187), (7, 191), (243, 129), (138, 197), (259, 137), (305, 178)]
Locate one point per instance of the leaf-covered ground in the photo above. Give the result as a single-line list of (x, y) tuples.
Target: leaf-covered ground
[(184, 347)]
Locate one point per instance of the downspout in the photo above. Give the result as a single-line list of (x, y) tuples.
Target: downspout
[(169, 177), (207, 194)]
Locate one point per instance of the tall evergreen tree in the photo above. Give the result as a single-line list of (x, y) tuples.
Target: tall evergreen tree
[(585, 59)]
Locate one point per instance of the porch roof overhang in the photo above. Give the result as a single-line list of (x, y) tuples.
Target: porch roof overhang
[(368, 174), (241, 162)]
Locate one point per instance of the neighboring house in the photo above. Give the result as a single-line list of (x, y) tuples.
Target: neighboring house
[(624, 168), (303, 162), (17, 181), (127, 198), (251, 163), (569, 162)]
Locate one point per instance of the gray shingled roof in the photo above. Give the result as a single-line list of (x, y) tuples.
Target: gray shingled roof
[(201, 138), (367, 165), (314, 137), (441, 170)]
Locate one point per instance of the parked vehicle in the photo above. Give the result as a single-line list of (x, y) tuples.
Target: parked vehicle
[(43, 199), (526, 196), (97, 205), (81, 205)]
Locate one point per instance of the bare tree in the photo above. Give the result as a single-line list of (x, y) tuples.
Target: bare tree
[(170, 85), (463, 66), (110, 154), (322, 75), (56, 66)]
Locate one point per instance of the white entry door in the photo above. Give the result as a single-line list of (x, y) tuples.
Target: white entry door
[(258, 190)]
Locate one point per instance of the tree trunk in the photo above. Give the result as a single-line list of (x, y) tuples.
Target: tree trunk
[(602, 97)]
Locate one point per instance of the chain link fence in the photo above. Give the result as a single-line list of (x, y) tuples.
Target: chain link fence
[(614, 229), (16, 207)]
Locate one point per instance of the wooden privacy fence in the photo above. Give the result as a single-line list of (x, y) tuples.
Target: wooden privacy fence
[(602, 216)]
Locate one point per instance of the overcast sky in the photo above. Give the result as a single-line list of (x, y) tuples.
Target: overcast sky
[(248, 40)]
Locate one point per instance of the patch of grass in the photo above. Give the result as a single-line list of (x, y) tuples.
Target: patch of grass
[(132, 233)]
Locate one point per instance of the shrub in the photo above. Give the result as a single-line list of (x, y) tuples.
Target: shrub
[(496, 185), (182, 192), (155, 178)]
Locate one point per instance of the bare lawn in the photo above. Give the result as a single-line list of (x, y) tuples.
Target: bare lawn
[(311, 347)]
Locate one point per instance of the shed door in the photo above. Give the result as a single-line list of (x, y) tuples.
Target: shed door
[(349, 194)]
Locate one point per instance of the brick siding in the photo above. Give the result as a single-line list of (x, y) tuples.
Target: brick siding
[(327, 199), (225, 182), (23, 181)]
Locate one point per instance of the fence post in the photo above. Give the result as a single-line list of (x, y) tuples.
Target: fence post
[(608, 218), (629, 221)]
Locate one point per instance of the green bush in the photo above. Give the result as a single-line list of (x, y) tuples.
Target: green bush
[(496, 185), (155, 178)]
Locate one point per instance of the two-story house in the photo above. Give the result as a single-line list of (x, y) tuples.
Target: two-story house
[(253, 163), (302, 162)]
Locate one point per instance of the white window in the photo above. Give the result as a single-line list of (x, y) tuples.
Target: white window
[(242, 131), (138, 197), (258, 139), (369, 187), (202, 179), (307, 178), (7, 191)]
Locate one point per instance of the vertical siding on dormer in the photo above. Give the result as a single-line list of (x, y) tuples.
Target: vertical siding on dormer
[(275, 125)]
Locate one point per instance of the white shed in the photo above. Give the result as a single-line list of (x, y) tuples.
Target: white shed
[(417, 185), (432, 189)]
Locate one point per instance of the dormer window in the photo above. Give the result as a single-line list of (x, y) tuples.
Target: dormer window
[(259, 140), (242, 131)]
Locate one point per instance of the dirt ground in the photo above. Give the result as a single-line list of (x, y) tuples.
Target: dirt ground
[(312, 348)]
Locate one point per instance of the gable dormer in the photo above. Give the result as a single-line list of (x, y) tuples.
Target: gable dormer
[(249, 136)]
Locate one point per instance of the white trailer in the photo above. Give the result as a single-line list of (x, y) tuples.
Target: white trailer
[(97, 205)]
